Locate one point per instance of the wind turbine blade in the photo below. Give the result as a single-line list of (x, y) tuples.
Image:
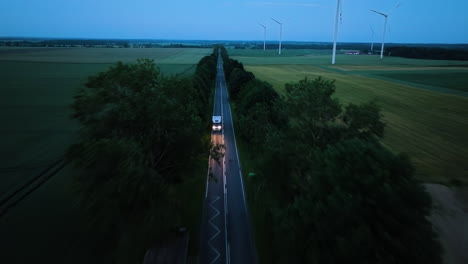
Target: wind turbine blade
[(379, 13), (341, 11), (393, 9), (262, 25), (276, 21), (372, 29)]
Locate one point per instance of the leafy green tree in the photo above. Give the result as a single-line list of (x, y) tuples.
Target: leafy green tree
[(256, 92), (237, 80), (231, 65), (358, 202), (141, 133), (203, 82), (364, 119), (259, 110), (340, 195), (311, 109)]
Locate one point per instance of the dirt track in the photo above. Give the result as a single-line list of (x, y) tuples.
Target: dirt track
[(450, 220)]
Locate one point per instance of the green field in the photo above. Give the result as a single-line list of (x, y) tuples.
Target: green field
[(37, 88), (36, 125), (35, 100), (430, 126), (103, 55), (323, 58), (451, 80), (255, 53), (48, 226)]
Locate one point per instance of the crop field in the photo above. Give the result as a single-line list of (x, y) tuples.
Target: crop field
[(103, 55), (37, 88), (35, 100), (423, 103), (47, 225), (456, 80), (323, 58), (36, 125), (255, 53)]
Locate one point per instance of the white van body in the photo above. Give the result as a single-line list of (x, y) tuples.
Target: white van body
[(217, 125)]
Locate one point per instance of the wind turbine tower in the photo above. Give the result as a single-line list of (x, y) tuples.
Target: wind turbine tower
[(338, 14), (372, 44), (281, 34), (264, 35), (385, 27)]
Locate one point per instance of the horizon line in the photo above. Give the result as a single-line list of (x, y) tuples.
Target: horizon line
[(212, 40)]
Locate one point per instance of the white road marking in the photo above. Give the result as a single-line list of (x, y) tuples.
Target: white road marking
[(224, 174), (238, 160), (216, 228), (220, 68)]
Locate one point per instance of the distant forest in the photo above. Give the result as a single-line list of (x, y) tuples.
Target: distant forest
[(416, 51), (428, 53)]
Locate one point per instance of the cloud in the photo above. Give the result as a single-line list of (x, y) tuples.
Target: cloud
[(284, 4)]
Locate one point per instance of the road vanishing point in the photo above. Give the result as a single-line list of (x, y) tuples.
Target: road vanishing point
[(226, 234)]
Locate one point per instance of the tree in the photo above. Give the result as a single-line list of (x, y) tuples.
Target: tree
[(312, 111), (258, 106), (135, 122), (237, 80), (358, 202), (364, 120), (340, 196)]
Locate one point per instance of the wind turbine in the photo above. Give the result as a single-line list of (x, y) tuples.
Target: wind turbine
[(372, 45), (385, 27), (264, 35), (281, 33), (338, 14)]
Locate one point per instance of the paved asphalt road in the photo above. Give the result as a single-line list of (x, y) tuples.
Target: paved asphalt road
[(226, 232)]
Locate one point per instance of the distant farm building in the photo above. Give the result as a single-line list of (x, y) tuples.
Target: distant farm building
[(353, 53)]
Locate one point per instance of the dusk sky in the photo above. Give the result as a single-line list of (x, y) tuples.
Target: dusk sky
[(415, 21)]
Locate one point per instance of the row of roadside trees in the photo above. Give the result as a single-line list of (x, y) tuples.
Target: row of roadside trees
[(142, 134), (325, 190)]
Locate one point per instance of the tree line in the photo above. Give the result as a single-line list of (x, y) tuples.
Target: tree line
[(101, 43), (325, 190), (428, 53), (141, 134)]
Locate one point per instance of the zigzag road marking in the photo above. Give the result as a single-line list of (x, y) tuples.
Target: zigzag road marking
[(215, 228)]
